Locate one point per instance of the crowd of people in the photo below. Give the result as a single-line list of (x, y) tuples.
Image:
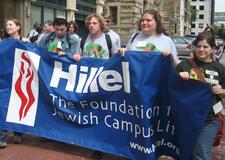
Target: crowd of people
[(60, 37)]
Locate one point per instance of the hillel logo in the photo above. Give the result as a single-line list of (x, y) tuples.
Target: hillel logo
[(24, 93)]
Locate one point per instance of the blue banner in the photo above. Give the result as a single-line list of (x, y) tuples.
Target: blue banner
[(135, 106)]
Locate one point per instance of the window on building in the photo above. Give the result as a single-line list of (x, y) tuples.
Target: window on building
[(201, 0), (43, 12), (58, 2), (201, 16), (193, 25), (193, 7), (200, 25), (35, 15), (48, 14), (60, 13), (193, 0), (85, 8), (192, 33), (113, 11), (201, 8)]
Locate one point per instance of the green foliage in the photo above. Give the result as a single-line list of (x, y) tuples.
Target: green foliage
[(194, 12), (219, 31)]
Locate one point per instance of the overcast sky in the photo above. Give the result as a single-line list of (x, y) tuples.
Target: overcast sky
[(220, 5)]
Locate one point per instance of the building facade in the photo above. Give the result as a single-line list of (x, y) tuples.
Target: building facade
[(19, 9), (204, 10), (126, 15), (176, 16), (43, 10), (71, 9), (219, 18), (31, 11), (185, 17), (84, 8)]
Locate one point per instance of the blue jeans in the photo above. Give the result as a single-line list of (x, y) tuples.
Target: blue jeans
[(203, 147), (3, 135)]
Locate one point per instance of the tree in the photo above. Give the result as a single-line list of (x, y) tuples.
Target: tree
[(219, 31), (194, 13)]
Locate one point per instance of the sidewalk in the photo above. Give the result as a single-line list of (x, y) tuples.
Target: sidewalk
[(33, 148)]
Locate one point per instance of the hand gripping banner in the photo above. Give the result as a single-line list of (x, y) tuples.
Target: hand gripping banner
[(134, 106)]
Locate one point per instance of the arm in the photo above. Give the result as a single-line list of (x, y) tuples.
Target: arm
[(74, 47), (217, 89), (182, 73)]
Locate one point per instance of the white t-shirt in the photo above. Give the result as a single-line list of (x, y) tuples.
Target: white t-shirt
[(114, 36), (97, 47), (32, 33), (153, 43)]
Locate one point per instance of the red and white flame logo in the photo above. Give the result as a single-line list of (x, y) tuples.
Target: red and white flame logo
[(24, 94), (28, 75)]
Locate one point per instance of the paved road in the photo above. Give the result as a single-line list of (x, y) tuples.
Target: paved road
[(34, 148)]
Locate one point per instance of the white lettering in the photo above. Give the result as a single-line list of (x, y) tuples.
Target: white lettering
[(58, 73), (105, 80), (83, 79), (126, 76)]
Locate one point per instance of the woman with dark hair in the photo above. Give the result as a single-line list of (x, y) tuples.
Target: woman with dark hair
[(211, 72), (209, 29), (151, 37), (218, 53), (72, 28), (13, 31)]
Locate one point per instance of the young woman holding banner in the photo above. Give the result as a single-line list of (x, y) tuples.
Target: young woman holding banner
[(13, 31), (151, 37), (203, 67)]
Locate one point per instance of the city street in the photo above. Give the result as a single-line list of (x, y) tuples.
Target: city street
[(40, 149)]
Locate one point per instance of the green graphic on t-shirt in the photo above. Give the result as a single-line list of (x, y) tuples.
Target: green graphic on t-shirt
[(193, 75), (92, 48), (149, 47), (52, 46)]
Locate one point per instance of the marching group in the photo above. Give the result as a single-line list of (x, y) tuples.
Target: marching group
[(59, 36)]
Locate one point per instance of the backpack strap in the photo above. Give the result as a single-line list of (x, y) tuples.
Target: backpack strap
[(197, 70), (109, 44), (83, 40), (220, 131), (135, 35), (48, 37)]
